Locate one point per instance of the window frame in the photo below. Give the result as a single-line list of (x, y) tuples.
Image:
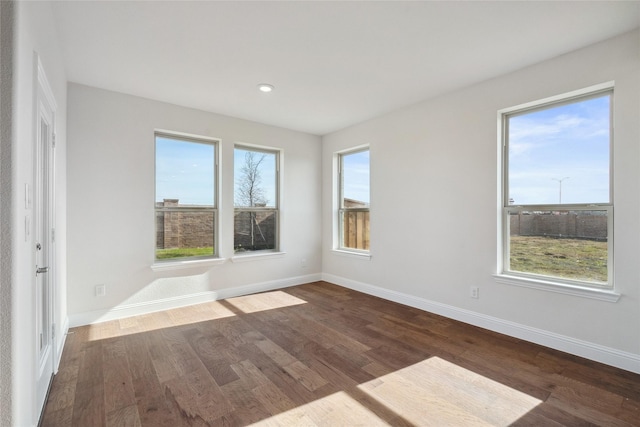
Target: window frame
[(277, 209), (194, 139), (583, 287), (342, 210)]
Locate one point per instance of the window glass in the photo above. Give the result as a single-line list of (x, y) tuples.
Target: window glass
[(354, 200), (560, 154), (255, 178), (569, 244), (255, 200), (185, 198), (184, 171), (355, 179), (557, 212)]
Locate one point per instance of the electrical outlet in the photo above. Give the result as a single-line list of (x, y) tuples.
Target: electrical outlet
[(303, 263), (475, 292), (101, 290)]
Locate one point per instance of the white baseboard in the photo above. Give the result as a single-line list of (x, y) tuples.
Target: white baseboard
[(588, 350), (61, 342), (128, 310)]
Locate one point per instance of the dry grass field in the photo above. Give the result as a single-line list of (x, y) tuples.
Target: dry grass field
[(567, 258)]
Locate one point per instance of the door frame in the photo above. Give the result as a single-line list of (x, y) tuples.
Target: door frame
[(44, 99)]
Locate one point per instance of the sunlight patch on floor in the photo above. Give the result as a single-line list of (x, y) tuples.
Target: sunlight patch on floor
[(159, 320), (338, 409), (436, 392), (264, 301), (192, 314)]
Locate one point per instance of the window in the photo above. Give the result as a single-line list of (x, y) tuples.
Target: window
[(185, 205), (354, 200), (256, 199), (557, 211)]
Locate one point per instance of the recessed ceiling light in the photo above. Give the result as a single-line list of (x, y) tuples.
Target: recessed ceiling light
[(265, 87)]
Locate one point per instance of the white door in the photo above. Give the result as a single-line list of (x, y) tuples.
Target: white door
[(43, 237)]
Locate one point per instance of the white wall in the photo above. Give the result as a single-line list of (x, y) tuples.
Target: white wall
[(35, 33), (111, 206), (6, 126), (436, 163)]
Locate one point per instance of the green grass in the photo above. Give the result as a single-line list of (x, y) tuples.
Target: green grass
[(183, 252), (566, 258)]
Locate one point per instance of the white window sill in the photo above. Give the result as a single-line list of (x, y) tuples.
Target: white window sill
[(253, 256), (194, 263), (561, 288), (352, 254)]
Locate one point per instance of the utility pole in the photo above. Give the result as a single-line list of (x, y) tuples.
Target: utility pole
[(560, 191)]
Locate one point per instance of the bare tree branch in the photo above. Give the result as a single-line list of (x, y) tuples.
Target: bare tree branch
[(250, 192)]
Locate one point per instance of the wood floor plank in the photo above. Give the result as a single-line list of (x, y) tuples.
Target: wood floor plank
[(233, 330), (275, 352), (138, 356), (290, 386), (616, 380), (90, 373), (533, 384), (198, 397), (130, 325), (332, 374), (307, 377), (207, 348), (104, 330), (125, 416), (270, 396), (88, 406), (548, 414), (322, 355), (161, 357), (587, 413), (59, 417), (344, 366), (248, 410), (88, 403), (471, 392), (404, 396), (326, 336), (194, 389), (118, 381), (154, 408)]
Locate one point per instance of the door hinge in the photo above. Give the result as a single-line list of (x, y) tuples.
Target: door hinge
[(53, 234), (53, 331), (53, 140)]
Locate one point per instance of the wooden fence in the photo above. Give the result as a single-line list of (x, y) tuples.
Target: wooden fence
[(356, 229)]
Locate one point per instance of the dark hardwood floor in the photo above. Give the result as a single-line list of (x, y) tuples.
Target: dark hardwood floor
[(319, 354)]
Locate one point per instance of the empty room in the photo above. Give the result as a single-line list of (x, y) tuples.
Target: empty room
[(324, 213)]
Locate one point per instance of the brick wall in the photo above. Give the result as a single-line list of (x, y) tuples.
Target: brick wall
[(579, 225), (252, 230), (183, 229), (257, 230)]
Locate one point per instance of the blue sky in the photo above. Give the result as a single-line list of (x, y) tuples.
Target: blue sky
[(356, 176), (567, 142), (184, 171)]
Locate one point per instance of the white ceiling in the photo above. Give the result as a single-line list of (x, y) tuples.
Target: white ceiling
[(333, 64)]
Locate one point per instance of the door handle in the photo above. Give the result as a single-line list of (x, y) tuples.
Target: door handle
[(41, 270)]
